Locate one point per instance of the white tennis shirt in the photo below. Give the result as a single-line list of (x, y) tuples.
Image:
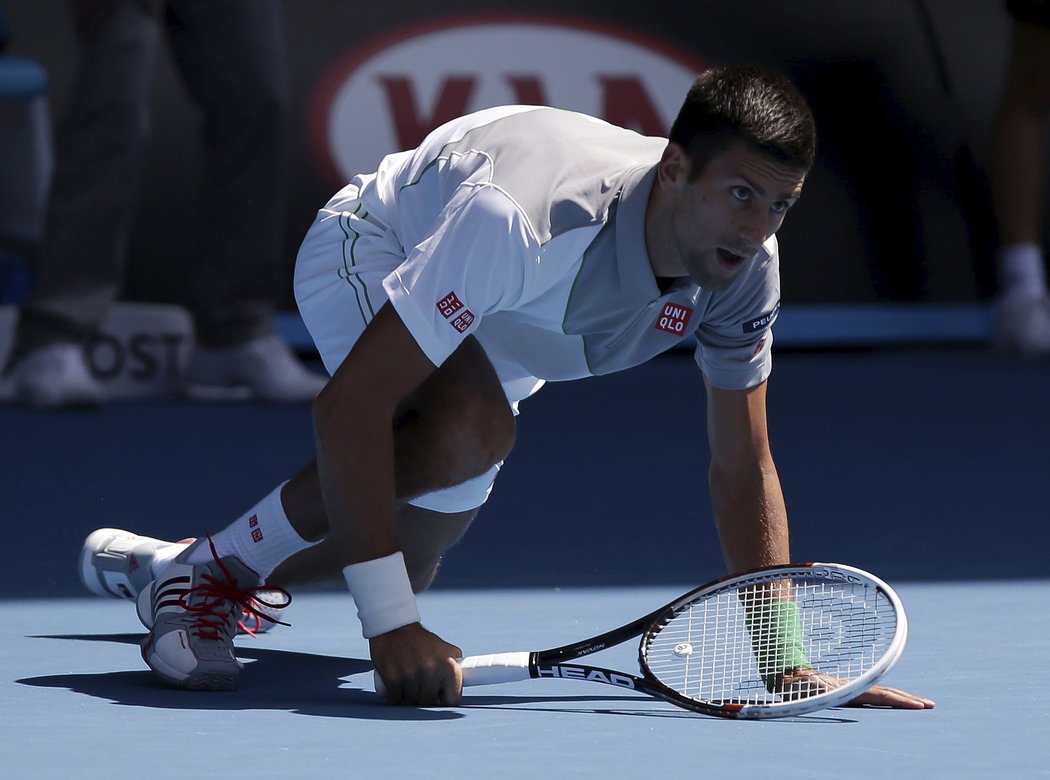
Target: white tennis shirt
[(524, 226)]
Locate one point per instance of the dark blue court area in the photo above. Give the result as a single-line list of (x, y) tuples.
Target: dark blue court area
[(925, 466)]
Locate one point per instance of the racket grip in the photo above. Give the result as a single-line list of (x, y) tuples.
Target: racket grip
[(495, 668), (484, 670)]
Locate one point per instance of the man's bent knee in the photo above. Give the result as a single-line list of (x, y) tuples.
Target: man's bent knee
[(455, 426), (424, 537)]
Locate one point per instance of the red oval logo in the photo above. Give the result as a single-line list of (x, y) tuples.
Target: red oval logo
[(386, 95)]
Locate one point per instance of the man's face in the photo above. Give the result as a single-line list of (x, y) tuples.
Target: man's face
[(720, 219)]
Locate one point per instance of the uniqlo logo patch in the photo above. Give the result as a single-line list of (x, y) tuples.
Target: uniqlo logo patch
[(449, 305), (253, 523), (463, 321), (674, 319)]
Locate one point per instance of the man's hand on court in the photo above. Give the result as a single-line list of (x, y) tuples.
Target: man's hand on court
[(883, 696), (799, 683), (417, 667)]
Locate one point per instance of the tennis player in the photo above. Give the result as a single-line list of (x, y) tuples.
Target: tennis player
[(514, 246)]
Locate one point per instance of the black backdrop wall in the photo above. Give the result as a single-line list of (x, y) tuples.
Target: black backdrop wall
[(904, 92)]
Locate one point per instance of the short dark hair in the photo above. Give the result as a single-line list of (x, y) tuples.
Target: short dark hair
[(760, 107)]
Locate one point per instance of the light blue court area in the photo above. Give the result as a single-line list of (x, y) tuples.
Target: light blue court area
[(927, 467), (77, 701)]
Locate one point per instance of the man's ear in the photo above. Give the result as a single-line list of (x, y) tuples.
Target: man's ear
[(673, 168)]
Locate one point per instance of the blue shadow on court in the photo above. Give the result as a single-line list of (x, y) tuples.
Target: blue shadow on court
[(312, 684)]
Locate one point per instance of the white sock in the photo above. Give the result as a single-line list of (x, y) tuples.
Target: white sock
[(162, 556), (262, 538), (1021, 272)]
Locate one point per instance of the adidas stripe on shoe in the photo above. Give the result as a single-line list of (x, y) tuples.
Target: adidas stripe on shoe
[(192, 612), (118, 563)]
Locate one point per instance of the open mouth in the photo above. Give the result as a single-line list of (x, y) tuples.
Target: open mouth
[(730, 261)]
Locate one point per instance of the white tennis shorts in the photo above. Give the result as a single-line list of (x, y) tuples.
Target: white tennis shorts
[(339, 276)]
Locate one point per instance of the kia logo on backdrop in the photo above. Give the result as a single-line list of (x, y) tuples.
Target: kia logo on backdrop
[(387, 94)]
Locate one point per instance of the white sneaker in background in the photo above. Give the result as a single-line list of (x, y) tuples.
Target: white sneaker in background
[(1023, 326), (56, 376), (264, 368)]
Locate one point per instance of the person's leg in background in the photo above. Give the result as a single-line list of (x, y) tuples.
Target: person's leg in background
[(232, 57), (1017, 184), (99, 149)]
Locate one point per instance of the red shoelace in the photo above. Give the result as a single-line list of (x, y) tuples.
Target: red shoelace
[(214, 594)]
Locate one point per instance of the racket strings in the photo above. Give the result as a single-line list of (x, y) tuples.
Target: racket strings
[(739, 646)]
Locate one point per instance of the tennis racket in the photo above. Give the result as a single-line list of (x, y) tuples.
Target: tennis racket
[(768, 643)]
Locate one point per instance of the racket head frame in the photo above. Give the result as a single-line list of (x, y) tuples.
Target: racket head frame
[(830, 572)]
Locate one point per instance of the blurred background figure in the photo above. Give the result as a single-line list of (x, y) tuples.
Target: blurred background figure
[(1017, 183), (231, 57), (26, 161)]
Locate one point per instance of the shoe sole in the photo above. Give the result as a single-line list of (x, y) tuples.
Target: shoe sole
[(206, 677), (201, 679)]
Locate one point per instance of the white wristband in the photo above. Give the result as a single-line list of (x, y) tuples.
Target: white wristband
[(383, 594)]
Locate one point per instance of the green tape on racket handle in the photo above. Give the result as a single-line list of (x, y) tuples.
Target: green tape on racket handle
[(776, 637)]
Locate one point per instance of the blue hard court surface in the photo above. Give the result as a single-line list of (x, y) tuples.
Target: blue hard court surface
[(927, 467)]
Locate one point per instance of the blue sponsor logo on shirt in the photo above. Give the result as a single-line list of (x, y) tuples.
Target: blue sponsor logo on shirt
[(762, 321)]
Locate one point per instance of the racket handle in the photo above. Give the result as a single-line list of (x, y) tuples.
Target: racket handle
[(484, 670), (495, 668)]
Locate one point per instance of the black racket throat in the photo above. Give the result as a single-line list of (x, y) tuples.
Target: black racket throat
[(596, 644), (557, 663)]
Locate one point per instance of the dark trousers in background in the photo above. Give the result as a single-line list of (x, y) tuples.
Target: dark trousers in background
[(231, 55)]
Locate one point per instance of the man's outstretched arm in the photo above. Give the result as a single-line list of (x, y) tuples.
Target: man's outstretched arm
[(749, 506)]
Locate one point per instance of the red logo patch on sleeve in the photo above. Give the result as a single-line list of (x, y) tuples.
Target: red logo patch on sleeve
[(674, 319), (449, 305), (463, 321)]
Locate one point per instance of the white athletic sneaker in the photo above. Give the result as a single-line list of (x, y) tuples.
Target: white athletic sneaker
[(118, 563), (264, 368), (192, 612), (1023, 326), (56, 376)]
